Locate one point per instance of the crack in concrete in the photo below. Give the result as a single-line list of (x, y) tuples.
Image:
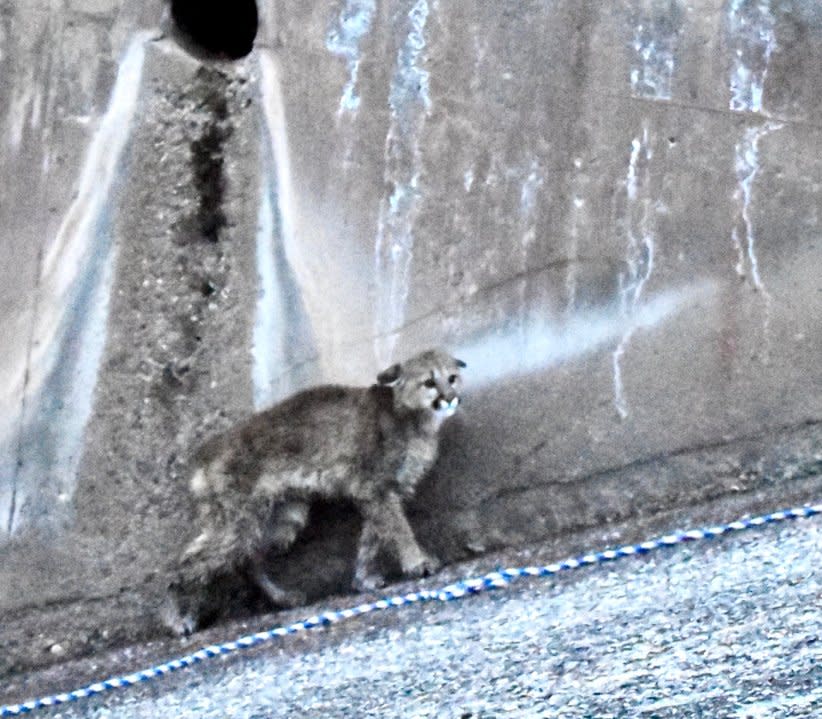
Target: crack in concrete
[(71, 600), (561, 263), (601, 326), (793, 122), (810, 468)]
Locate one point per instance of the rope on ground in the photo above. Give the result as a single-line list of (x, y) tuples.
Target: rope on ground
[(475, 585)]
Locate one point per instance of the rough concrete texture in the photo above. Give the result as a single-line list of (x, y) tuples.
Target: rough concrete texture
[(609, 210)]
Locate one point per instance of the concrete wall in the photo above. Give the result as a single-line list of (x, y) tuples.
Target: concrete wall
[(609, 210)]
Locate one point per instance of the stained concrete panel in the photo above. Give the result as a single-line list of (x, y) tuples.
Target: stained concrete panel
[(610, 211)]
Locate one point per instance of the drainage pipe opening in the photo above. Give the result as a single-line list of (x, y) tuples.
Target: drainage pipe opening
[(223, 29)]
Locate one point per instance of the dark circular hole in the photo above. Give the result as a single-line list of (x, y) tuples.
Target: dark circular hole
[(216, 28)]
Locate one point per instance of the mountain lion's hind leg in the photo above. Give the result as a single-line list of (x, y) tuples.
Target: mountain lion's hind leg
[(287, 519)]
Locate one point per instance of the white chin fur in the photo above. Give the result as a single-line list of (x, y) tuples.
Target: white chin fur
[(447, 409)]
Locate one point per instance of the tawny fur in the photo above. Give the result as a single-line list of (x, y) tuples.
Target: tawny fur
[(371, 445)]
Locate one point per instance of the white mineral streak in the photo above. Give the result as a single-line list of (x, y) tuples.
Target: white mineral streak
[(527, 206), (69, 329), (267, 352), (571, 279), (293, 295), (528, 194), (394, 246), (344, 39), (637, 225), (653, 64), (743, 236), (752, 40)]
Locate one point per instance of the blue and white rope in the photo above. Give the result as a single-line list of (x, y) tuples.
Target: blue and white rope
[(493, 580)]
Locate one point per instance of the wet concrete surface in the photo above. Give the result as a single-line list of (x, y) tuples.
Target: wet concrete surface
[(722, 628)]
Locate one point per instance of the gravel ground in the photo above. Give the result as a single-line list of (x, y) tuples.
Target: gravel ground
[(728, 628)]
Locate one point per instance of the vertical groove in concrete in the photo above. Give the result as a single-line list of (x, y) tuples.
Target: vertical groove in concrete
[(177, 363)]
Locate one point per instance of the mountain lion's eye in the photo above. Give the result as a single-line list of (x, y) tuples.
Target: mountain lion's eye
[(452, 379), (430, 383)]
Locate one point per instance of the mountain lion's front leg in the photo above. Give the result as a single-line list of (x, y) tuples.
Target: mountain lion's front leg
[(386, 528)]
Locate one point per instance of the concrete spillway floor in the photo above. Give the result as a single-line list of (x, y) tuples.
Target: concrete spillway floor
[(725, 628)]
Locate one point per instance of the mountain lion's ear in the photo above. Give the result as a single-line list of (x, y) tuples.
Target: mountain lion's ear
[(460, 363), (391, 376)]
